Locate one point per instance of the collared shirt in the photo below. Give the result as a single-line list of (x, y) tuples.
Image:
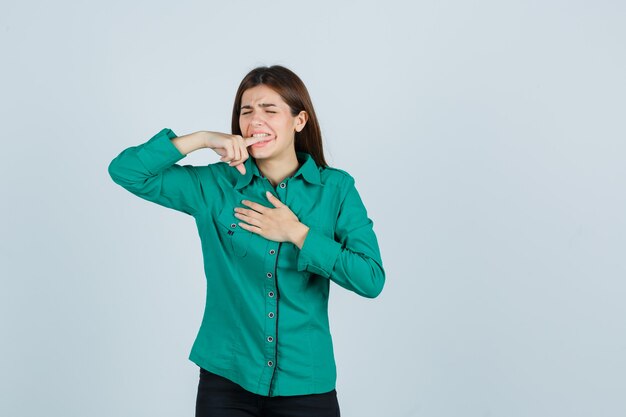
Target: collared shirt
[(265, 324)]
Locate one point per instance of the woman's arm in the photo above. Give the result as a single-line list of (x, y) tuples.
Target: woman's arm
[(150, 171), (353, 260), (191, 142)]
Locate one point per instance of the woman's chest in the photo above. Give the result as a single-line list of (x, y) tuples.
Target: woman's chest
[(316, 206)]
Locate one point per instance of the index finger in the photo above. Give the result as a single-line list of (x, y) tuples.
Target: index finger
[(252, 140), (255, 206)]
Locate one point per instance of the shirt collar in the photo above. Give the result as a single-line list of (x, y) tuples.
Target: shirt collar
[(308, 169)]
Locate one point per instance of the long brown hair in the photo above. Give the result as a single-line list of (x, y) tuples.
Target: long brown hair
[(293, 91)]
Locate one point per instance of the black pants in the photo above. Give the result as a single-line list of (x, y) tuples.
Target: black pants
[(220, 397)]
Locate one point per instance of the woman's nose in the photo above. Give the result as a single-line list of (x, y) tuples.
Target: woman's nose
[(256, 121)]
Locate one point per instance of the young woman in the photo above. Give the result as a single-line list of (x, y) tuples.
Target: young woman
[(276, 224)]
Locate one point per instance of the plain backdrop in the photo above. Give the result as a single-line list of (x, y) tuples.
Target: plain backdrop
[(487, 140)]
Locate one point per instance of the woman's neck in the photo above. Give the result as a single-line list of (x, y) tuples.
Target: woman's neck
[(276, 170)]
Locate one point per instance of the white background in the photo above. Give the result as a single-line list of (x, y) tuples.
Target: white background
[(487, 140)]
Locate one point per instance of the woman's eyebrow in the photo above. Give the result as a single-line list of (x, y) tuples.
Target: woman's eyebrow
[(247, 106)]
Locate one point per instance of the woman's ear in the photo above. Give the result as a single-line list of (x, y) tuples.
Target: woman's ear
[(301, 120)]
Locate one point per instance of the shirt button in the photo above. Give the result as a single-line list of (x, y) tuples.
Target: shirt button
[(233, 225), (271, 293), (270, 363), (270, 315), (270, 339), (269, 275), (283, 185), (272, 251)]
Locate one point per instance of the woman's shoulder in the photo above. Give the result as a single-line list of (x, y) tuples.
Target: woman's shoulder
[(216, 172), (336, 176)]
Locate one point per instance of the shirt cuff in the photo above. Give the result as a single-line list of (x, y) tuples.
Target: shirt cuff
[(159, 152), (318, 254)]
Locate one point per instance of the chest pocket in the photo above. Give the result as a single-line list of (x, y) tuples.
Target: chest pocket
[(235, 238)]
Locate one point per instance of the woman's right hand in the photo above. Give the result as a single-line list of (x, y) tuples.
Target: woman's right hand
[(232, 148)]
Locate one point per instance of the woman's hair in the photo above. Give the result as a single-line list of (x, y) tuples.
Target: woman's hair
[(293, 91)]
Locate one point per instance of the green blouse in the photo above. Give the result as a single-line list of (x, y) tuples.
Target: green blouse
[(265, 324)]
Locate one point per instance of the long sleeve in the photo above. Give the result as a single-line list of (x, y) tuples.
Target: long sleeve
[(353, 261), (150, 171)]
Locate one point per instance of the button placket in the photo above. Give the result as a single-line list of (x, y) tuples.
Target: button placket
[(272, 294), (271, 306)]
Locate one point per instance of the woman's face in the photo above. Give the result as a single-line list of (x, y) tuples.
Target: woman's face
[(263, 112)]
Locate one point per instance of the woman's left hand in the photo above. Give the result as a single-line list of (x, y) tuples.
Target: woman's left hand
[(279, 224)]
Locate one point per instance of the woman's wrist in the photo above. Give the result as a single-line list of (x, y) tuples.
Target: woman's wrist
[(299, 234), (211, 139)]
